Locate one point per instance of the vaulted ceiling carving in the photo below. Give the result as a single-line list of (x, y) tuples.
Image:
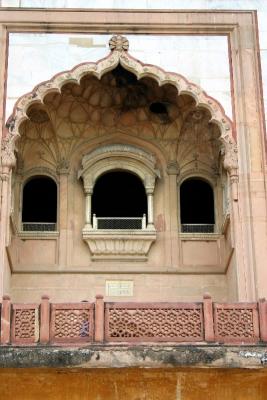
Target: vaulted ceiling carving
[(121, 96)]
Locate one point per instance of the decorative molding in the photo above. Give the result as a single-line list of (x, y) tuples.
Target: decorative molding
[(35, 171), (36, 235), (118, 156), (125, 149), (200, 173), (115, 245)]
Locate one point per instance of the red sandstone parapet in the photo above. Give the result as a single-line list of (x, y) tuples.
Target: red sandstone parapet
[(44, 320), (208, 318), (84, 322), (5, 320)]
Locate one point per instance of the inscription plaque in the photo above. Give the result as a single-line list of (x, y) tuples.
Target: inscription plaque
[(119, 288)]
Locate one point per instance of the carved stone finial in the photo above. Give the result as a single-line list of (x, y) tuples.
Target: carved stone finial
[(118, 42)]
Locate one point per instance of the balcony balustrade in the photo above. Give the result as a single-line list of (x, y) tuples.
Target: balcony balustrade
[(86, 323), (198, 228), (39, 226), (128, 223)]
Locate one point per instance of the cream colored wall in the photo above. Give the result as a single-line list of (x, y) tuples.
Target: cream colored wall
[(231, 279), (7, 276), (81, 278), (146, 287), (68, 251)]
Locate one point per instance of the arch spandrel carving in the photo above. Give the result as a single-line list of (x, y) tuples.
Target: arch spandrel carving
[(119, 55)]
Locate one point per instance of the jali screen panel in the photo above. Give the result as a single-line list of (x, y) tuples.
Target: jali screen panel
[(159, 322), (236, 322), (25, 323), (72, 322)]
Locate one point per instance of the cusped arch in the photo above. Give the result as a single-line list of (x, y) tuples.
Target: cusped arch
[(119, 55), (118, 157)]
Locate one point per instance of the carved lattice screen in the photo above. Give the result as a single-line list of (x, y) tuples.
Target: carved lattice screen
[(72, 322), (236, 322), (179, 322), (25, 323)]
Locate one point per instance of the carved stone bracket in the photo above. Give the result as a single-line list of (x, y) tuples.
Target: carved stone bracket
[(115, 246), (8, 158), (229, 151), (63, 167)]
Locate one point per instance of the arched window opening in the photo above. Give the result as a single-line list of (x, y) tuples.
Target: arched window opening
[(39, 204), (197, 206), (119, 201)]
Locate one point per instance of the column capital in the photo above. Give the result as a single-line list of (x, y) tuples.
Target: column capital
[(4, 173), (63, 167), (88, 190), (173, 168)]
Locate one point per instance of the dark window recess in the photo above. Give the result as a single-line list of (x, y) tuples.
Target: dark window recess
[(39, 210), (158, 108), (119, 194), (197, 206)]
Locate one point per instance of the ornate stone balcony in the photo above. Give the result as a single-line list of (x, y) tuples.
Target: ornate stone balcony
[(119, 238)]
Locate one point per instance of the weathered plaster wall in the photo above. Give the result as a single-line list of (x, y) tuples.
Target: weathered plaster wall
[(133, 384)]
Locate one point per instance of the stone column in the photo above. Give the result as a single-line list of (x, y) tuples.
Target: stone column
[(174, 253), (149, 186), (3, 75), (241, 274), (5, 183), (5, 166), (150, 210), (62, 223), (251, 206), (244, 271), (88, 208), (245, 274)]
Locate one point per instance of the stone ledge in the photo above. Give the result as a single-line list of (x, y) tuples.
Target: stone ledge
[(143, 356)]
